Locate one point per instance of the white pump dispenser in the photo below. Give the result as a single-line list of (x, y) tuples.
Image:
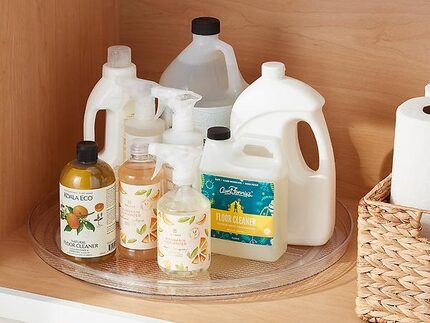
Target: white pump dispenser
[(272, 106), (109, 94), (146, 124), (181, 102), (183, 214)]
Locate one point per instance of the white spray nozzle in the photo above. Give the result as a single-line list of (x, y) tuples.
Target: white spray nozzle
[(181, 102), (183, 159), (119, 56), (140, 91)]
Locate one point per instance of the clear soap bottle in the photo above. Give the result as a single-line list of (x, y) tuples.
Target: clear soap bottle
[(138, 197), (184, 244)]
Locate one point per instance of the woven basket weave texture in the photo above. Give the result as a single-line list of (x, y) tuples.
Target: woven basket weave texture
[(393, 260)]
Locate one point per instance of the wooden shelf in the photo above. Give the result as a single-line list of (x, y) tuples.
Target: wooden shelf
[(333, 301)]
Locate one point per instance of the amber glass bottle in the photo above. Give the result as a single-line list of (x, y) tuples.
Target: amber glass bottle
[(87, 207), (139, 194)]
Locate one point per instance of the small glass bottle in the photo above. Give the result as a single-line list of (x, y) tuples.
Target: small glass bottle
[(139, 194), (184, 244), (87, 207)]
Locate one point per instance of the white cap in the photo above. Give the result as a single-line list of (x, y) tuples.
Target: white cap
[(119, 56), (140, 91), (273, 69)]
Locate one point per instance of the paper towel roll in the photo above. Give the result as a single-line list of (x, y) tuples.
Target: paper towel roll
[(410, 183)]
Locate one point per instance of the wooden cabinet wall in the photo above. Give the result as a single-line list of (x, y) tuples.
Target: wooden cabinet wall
[(365, 57), (51, 52)]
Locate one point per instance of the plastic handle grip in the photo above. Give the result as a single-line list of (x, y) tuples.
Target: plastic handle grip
[(322, 137), (233, 74), (272, 144), (89, 124)]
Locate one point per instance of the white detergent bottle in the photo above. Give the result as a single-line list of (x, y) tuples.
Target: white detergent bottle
[(273, 105), (110, 94), (145, 125), (206, 66), (247, 194), (181, 103)]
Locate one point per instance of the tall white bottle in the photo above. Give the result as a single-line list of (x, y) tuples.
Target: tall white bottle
[(145, 124), (206, 66), (273, 105), (110, 94)]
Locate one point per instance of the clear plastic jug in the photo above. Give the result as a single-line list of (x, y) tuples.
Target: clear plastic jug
[(207, 66)]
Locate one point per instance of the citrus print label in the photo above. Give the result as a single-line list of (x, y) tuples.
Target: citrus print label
[(241, 210), (138, 215), (184, 241), (87, 221)]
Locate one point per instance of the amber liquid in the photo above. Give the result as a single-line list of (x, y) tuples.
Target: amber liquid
[(86, 177), (138, 171)]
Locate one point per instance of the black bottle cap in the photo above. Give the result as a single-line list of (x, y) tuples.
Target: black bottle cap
[(87, 152), (205, 26), (218, 133)]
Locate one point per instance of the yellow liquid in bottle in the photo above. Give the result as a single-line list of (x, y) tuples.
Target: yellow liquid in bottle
[(81, 176), (138, 171)]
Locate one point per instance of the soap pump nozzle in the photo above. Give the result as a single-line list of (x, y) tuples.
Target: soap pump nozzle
[(181, 102), (183, 159)]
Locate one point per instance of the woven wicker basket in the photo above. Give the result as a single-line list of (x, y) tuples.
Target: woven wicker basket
[(393, 261)]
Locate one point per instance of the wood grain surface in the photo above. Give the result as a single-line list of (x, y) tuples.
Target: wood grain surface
[(365, 58), (51, 54)]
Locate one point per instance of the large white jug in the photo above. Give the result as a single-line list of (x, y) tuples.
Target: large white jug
[(273, 105)]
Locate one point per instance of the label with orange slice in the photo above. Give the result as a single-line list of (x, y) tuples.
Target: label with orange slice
[(184, 241), (138, 215), (87, 221)]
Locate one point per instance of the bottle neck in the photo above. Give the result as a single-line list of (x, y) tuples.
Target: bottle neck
[(140, 157), (202, 39)]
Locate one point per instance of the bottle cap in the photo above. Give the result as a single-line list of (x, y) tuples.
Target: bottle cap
[(139, 147), (219, 133), (119, 56), (205, 26), (273, 69), (87, 152)]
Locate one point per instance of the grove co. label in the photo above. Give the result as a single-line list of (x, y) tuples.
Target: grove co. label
[(87, 221), (138, 215), (184, 242), (241, 210)]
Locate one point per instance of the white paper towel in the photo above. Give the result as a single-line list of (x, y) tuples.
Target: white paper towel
[(410, 183)]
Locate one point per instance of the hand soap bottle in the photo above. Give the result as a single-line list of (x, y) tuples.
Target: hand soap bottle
[(87, 207), (139, 194), (183, 215), (145, 123)]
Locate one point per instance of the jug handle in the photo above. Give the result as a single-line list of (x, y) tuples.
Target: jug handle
[(325, 150), (272, 144), (233, 73), (90, 117)]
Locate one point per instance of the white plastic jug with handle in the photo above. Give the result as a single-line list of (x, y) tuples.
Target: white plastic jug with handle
[(273, 105), (110, 94), (206, 66)]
